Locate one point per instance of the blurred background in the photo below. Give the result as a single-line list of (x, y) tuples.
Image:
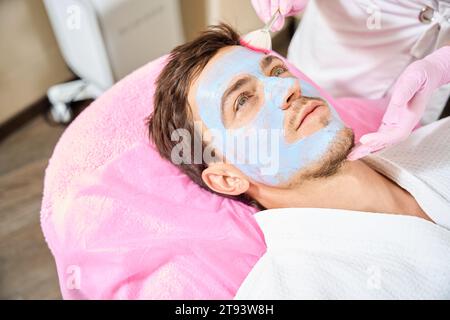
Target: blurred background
[(56, 57)]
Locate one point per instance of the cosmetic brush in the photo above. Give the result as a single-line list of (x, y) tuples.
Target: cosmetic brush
[(260, 40)]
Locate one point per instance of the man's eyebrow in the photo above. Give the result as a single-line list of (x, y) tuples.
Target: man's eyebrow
[(267, 60), (234, 87)]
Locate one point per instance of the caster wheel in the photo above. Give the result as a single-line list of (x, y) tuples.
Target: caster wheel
[(61, 113)]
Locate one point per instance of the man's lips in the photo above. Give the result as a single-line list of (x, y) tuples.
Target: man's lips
[(306, 111)]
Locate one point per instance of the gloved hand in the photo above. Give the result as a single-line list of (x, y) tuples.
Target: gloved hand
[(266, 9), (411, 93)]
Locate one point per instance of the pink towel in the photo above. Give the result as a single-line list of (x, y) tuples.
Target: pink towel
[(124, 224)]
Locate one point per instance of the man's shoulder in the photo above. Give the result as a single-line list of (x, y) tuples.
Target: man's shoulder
[(420, 164)]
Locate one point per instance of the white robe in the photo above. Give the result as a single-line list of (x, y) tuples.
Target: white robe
[(340, 254)]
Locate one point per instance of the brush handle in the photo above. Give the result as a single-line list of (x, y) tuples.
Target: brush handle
[(272, 20)]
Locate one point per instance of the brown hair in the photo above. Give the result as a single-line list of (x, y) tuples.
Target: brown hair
[(171, 106)]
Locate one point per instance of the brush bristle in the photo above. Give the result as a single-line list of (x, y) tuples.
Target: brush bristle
[(258, 40)]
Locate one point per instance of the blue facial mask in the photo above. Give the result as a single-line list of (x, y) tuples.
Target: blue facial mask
[(268, 159)]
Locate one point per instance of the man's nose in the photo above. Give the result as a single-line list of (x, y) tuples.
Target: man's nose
[(292, 94)]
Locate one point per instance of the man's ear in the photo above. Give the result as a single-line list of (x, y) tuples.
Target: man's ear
[(225, 179)]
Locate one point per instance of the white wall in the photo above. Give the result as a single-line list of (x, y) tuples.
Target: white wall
[(198, 14), (30, 60), (238, 13)]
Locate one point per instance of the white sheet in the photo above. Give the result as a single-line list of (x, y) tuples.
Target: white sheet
[(337, 254)]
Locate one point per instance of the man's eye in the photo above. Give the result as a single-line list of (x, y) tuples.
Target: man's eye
[(277, 71), (241, 101)]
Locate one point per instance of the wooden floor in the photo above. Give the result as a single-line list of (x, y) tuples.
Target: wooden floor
[(27, 269)]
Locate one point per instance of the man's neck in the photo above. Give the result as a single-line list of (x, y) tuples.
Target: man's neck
[(355, 186)]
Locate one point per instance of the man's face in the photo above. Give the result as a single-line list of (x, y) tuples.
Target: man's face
[(267, 123)]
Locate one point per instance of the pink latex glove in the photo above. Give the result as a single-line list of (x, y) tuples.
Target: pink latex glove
[(412, 92), (265, 9)]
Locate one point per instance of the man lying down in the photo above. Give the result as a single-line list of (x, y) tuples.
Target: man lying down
[(271, 140)]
